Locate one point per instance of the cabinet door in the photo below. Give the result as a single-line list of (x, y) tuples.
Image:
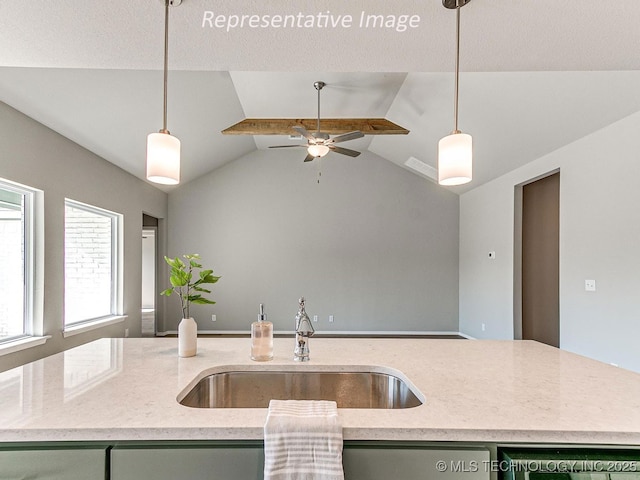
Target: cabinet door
[(411, 463), (193, 463), (52, 464)]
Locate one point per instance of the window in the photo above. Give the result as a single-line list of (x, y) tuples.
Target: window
[(91, 264), (16, 261)]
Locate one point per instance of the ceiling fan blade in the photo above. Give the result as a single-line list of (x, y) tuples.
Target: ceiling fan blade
[(344, 151), (309, 158), (287, 146), (304, 132), (347, 136)]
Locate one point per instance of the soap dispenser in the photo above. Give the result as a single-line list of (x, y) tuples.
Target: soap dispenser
[(262, 338)]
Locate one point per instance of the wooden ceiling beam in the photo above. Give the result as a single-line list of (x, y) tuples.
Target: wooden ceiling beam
[(332, 126)]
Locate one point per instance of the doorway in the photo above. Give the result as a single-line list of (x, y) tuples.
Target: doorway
[(540, 260), (149, 259)]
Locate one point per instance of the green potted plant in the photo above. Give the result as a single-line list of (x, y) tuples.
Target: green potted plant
[(188, 286)]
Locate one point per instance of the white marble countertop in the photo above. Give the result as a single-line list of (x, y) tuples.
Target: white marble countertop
[(474, 391)]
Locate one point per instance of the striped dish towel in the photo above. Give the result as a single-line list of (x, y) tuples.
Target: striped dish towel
[(303, 441)]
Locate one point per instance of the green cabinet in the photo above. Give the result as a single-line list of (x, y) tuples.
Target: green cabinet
[(52, 463), (192, 462), (411, 462)]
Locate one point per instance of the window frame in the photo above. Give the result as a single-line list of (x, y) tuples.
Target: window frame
[(116, 291), (31, 321)]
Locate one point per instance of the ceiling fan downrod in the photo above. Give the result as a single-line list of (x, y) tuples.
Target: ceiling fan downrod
[(318, 86)]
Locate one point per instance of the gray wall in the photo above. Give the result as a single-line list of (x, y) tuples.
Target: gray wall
[(36, 156), (372, 244), (599, 239)]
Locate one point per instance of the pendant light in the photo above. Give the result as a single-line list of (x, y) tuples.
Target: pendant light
[(163, 149), (455, 152)]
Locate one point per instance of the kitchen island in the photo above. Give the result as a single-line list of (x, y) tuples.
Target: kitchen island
[(109, 409), (472, 391)]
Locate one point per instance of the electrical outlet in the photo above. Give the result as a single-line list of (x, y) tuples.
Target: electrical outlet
[(126, 332), (330, 318), (492, 255), (590, 285), (315, 318), (483, 327), (213, 318)]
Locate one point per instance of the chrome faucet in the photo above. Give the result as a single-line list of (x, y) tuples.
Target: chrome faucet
[(304, 330)]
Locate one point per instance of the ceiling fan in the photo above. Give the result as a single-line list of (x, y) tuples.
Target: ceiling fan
[(320, 143)]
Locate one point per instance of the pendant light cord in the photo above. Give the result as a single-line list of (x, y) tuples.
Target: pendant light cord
[(455, 98), (166, 65)]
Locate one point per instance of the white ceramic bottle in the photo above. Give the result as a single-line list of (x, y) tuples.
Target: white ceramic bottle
[(187, 337), (262, 338)]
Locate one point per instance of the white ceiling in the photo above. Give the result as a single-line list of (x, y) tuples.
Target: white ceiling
[(543, 74)]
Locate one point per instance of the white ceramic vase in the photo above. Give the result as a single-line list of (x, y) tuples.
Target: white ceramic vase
[(187, 337)]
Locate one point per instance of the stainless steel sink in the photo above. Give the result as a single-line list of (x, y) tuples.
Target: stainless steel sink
[(254, 389)]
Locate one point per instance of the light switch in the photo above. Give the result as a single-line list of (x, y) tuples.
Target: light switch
[(590, 285)]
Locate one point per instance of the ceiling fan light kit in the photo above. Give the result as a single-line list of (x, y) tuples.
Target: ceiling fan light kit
[(318, 150), (163, 149), (455, 151)]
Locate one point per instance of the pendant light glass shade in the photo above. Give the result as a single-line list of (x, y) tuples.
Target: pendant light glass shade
[(318, 150), (455, 159), (163, 158)]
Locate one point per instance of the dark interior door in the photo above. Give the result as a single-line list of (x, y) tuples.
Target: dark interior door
[(541, 260)]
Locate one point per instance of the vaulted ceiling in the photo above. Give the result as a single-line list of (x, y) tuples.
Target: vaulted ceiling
[(537, 74)]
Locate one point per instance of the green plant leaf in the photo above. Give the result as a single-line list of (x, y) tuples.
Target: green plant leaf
[(200, 289), (179, 279), (203, 301), (167, 292), (209, 279), (170, 261)]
